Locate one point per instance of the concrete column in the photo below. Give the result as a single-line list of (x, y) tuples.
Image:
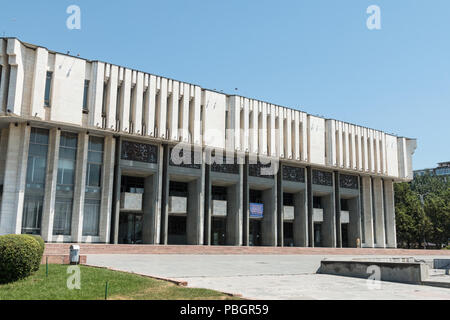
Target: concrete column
[(269, 223), (150, 225), (208, 206), (367, 208), (337, 199), (245, 204), (355, 221), (116, 193), (300, 220), (80, 187), (378, 201), (195, 214), (14, 179), (107, 189), (389, 205), (235, 212), (48, 211), (329, 221), (280, 207), (164, 195), (309, 202)]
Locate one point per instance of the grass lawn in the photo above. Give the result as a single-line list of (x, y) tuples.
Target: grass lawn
[(121, 286)]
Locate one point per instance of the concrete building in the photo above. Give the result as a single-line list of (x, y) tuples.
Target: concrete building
[(89, 152), (443, 169)]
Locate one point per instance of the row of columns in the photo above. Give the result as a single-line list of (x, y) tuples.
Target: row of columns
[(374, 221)]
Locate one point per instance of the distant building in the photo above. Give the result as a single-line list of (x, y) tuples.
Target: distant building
[(443, 169)]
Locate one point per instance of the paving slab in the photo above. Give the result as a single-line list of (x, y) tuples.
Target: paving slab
[(267, 277)]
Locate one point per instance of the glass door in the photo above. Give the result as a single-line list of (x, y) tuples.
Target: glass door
[(130, 228)]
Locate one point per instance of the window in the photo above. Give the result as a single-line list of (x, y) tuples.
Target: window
[(48, 87), (94, 165), (67, 161), (92, 204), (37, 159), (65, 183), (63, 216), (35, 181), (91, 218), (32, 214), (86, 96)]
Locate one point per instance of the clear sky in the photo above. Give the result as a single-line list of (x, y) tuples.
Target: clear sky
[(314, 55)]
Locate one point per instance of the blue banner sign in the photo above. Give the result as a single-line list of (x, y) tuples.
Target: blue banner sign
[(256, 210)]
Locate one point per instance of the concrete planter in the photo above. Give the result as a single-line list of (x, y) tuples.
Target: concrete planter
[(345, 217), (404, 272), (219, 208), (131, 201), (178, 205), (318, 215), (288, 213)]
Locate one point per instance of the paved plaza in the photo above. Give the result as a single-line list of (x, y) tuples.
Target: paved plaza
[(270, 277)]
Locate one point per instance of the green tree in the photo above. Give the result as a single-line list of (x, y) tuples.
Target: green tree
[(423, 211)]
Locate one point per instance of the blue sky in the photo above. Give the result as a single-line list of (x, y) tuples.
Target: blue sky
[(315, 55)]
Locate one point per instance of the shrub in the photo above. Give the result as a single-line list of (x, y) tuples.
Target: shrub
[(19, 255), (41, 252)]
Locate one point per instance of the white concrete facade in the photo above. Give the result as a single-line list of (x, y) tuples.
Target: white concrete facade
[(92, 98)]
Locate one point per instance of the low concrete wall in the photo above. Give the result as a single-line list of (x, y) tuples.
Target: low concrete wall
[(404, 272)]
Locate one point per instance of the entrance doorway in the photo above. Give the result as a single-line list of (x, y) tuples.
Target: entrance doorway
[(130, 228), (288, 231), (218, 231), (177, 220), (131, 215), (344, 233), (177, 230), (317, 235), (254, 232)]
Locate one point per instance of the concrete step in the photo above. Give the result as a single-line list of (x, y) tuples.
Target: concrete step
[(438, 278), (52, 248)]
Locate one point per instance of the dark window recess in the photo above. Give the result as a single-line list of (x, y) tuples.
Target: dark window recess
[(48, 88), (348, 181), (317, 203), (178, 189), (132, 184), (218, 193), (86, 96), (288, 199), (140, 152), (105, 98), (256, 196), (344, 205), (323, 178), (293, 174)]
